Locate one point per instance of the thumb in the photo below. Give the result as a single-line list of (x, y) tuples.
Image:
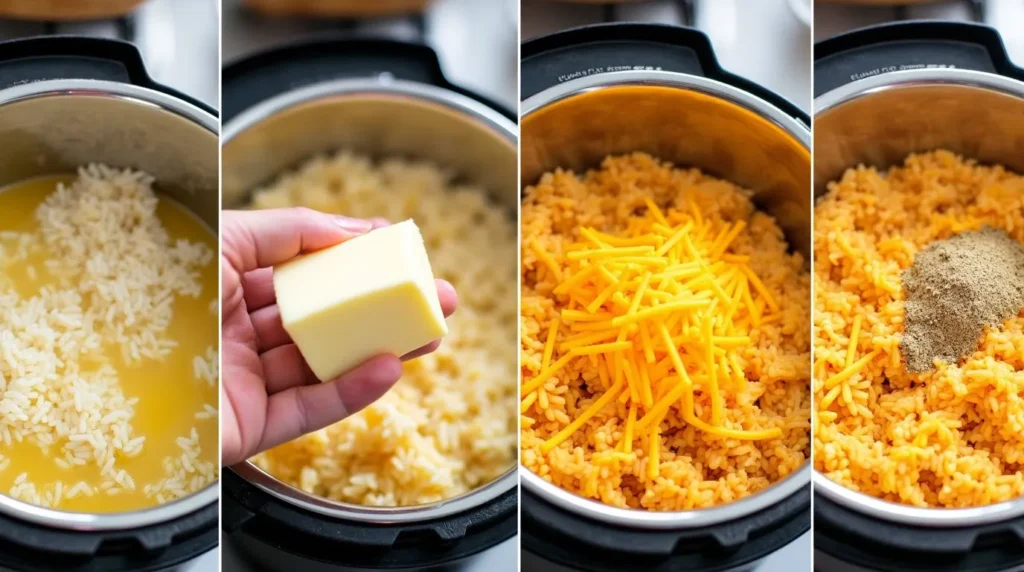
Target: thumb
[(257, 239)]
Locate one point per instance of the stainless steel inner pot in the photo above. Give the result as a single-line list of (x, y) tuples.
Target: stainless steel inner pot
[(382, 117), (692, 122), (880, 120), (53, 127)]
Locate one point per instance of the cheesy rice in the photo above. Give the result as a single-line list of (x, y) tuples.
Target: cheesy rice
[(665, 338), (950, 437)]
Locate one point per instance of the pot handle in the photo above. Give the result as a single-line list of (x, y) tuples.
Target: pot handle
[(68, 57), (602, 48), (909, 45), (262, 76), (72, 57)]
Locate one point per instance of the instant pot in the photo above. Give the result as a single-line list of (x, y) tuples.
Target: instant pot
[(618, 88), (381, 98), (65, 102), (881, 94)]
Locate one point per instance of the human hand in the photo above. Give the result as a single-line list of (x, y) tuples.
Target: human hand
[(269, 394)]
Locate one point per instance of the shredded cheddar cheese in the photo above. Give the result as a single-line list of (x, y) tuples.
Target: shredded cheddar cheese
[(710, 324), (854, 334), (665, 338)]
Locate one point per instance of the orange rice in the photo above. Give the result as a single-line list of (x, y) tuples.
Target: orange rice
[(952, 437), (694, 468)]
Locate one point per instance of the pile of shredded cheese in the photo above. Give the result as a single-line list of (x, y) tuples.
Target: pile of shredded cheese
[(659, 317), (671, 274)]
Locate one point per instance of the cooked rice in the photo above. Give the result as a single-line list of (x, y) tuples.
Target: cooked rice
[(952, 437), (696, 469), (449, 425), (118, 274)]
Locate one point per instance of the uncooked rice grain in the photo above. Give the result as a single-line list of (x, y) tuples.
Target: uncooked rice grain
[(206, 368), (119, 273), (208, 412)]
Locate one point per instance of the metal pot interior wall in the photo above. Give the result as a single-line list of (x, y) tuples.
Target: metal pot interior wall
[(883, 127), (384, 124), (686, 127), (58, 132)]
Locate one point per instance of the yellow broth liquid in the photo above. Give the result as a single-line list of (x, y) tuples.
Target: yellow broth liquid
[(169, 395)]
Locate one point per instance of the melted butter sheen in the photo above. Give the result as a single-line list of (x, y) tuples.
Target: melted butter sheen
[(169, 395)]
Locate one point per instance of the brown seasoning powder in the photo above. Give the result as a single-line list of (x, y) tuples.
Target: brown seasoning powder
[(954, 289)]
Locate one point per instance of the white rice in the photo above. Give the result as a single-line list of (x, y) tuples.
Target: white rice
[(118, 274), (208, 412), (188, 472), (205, 368)]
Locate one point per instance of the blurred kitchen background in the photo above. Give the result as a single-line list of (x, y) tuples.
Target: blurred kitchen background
[(178, 39), (765, 41), (833, 17), (476, 40)]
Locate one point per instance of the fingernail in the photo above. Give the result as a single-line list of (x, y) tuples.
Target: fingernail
[(353, 224)]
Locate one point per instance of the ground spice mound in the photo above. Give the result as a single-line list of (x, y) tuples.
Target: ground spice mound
[(955, 288)]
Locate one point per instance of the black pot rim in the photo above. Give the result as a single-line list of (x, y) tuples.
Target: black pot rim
[(42, 58), (915, 44), (622, 35), (301, 64)]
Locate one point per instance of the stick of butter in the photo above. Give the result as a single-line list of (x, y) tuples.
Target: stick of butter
[(368, 296)]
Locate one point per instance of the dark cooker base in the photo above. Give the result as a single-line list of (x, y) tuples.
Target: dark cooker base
[(186, 567), (256, 556), (824, 562), (533, 563)]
